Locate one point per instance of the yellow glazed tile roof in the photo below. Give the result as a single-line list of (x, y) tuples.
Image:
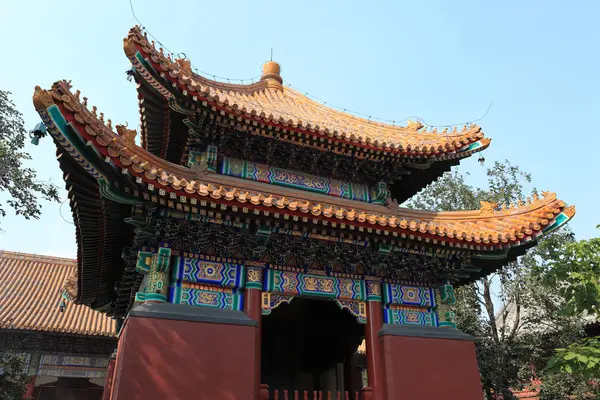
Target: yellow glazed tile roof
[(488, 226), (270, 102), (31, 287)]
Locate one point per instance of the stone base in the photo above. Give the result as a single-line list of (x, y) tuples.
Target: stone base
[(169, 351), (427, 363)]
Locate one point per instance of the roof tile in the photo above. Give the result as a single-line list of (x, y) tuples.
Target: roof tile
[(31, 287)]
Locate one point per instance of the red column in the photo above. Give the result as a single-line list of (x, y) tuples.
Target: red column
[(374, 324), (30, 388), (253, 309), (110, 373)]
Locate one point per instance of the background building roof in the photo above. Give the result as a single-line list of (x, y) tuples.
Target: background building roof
[(31, 288)]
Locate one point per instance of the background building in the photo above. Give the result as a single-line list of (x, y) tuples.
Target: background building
[(67, 347)]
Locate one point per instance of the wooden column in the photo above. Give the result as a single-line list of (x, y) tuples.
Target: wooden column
[(374, 324), (253, 309)]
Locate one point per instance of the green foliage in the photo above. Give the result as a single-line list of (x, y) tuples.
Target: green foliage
[(17, 180), (576, 273), (13, 378), (582, 357), (565, 386), (519, 339)]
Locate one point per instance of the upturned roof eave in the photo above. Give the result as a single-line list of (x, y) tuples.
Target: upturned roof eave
[(154, 171), (410, 141)]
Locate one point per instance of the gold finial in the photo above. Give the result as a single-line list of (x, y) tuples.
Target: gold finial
[(271, 73), (536, 197)]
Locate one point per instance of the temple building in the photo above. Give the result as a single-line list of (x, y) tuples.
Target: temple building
[(247, 239), (66, 347)]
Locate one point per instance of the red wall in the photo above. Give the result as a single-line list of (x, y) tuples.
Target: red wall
[(169, 359), (417, 368)]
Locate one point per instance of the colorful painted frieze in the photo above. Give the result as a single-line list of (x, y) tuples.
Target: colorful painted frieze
[(208, 298), (409, 317), (271, 301), (206, 159), (73, 361), (155, 267), (408, 295), (198, 270), (299, 180), (316, 285), (356, 308), (445, 299), (373, 290)]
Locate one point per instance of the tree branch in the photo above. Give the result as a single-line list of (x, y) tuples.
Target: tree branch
[(489, 307)]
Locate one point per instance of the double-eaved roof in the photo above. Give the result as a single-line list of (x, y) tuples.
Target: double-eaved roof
[(107, 173), (489, 228)]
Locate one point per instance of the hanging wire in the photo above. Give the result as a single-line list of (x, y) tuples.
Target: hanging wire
[(368, 118), (61, 214), (389, 121), (198, 71)]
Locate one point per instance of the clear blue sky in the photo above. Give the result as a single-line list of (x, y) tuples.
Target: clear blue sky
[(443, 61)]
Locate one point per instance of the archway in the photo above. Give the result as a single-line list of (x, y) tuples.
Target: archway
[(310, 344)]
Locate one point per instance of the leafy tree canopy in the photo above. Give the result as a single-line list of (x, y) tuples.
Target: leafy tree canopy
[(13, 377), (514, 342), (17, 180), (576, 274)]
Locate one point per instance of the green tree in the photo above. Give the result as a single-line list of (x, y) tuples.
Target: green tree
[(519, 338), (18, 181), (576, 273), (13, 377)]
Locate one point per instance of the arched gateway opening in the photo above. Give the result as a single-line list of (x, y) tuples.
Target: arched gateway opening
[(311, 344)]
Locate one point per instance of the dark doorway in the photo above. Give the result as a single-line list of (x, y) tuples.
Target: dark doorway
[(69, 389), (311, 344)]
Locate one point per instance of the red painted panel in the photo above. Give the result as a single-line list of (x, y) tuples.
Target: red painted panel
[(168, 359), (424, 368)]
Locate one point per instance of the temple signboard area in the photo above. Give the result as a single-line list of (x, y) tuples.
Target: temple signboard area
[(250, 239)]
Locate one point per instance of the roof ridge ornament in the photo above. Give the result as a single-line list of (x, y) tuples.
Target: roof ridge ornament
[(488, 208)]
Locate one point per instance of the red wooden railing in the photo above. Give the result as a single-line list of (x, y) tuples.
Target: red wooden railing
[(276, 394)]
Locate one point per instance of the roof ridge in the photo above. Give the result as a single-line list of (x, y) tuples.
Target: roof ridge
[(36, 257)]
